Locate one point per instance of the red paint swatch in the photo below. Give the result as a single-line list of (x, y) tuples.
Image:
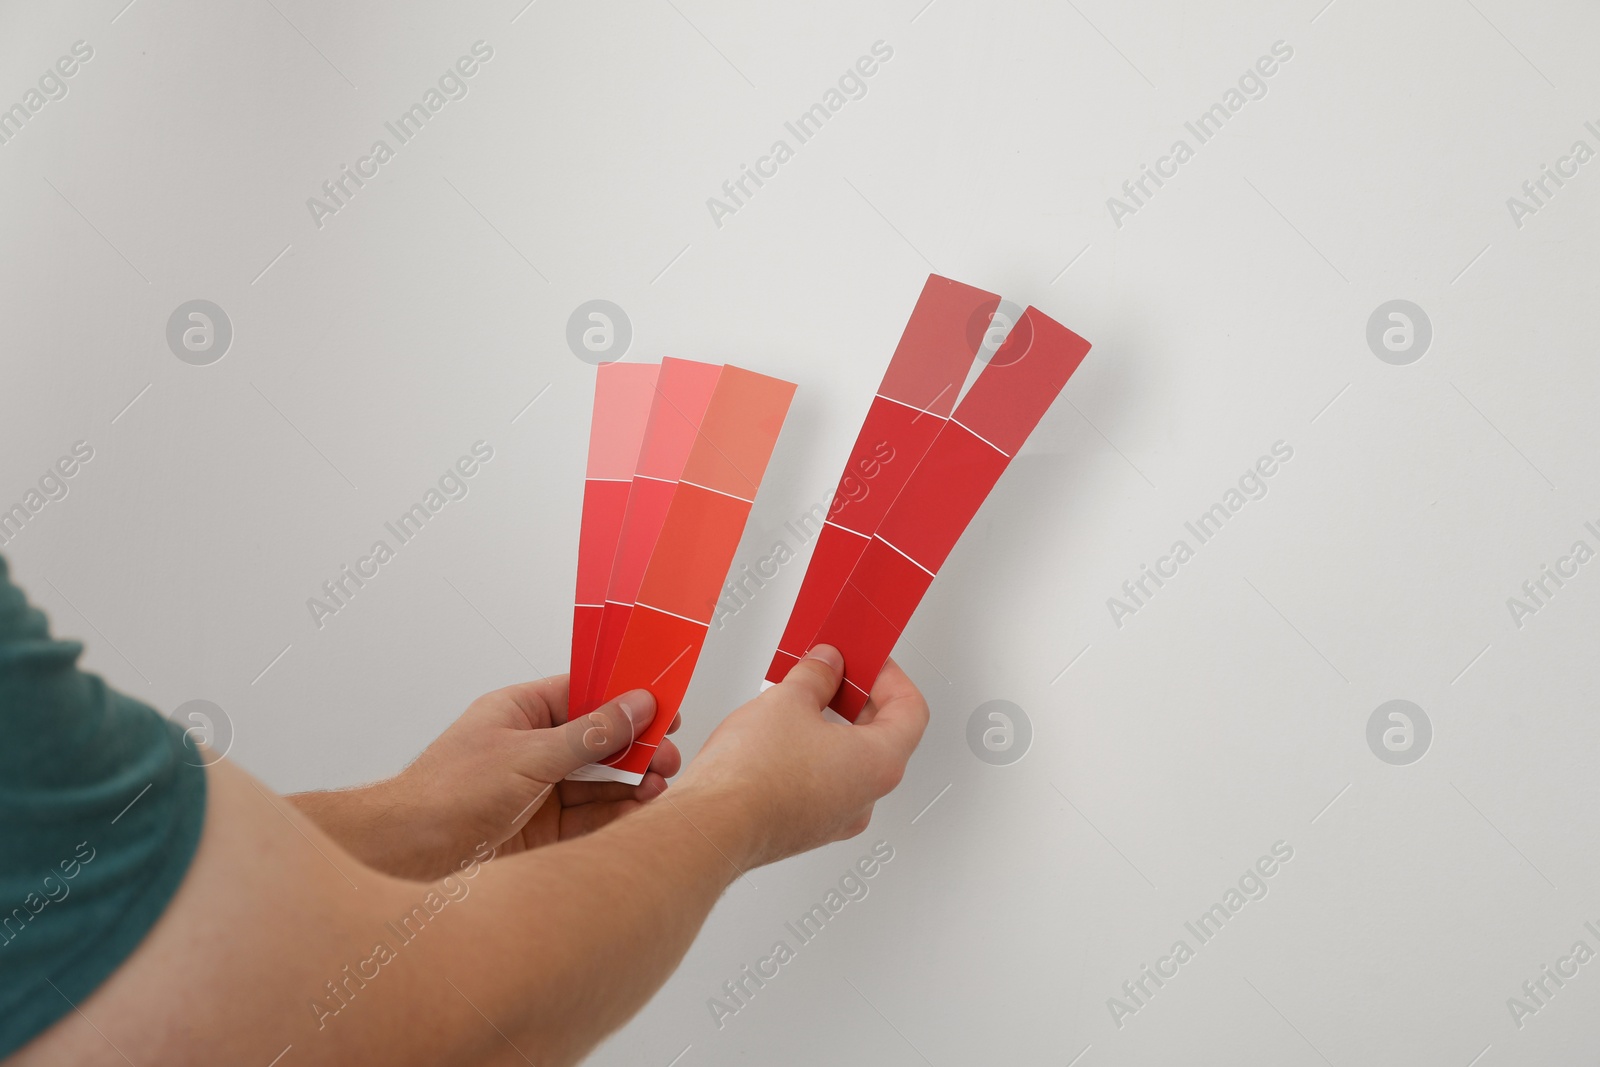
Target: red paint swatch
[(919, 390), (942, 495), (698, 532), (682, 392), (622, 397)]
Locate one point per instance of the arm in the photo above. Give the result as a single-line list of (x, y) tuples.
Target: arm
[(497, 775), (531, 957)]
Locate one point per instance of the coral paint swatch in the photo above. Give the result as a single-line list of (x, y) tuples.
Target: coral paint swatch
[(703, 453), (682, 391)]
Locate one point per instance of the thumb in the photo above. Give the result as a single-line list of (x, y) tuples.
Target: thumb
[(590, 738), (818, 675)]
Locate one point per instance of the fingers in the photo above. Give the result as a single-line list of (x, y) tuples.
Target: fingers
[(677, 721), (576, 793), (607, 730), (901, 711), (667, 762), (548, 695), (587, 818), (893, 683), (817, 677)]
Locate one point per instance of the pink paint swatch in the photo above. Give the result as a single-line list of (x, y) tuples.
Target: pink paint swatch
[(622, 396)]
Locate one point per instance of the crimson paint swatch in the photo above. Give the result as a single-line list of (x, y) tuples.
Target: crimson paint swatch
[(941, 497), (919, 389), (869, 572)]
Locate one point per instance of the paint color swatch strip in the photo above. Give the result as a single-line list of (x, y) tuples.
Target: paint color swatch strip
[(622, 397), (679, 399), (876, 557), (918, 392), (695, 538), (944, 493)]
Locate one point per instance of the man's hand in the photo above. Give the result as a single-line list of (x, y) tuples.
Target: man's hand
[(496, 776), (558, 946), (812, 781)]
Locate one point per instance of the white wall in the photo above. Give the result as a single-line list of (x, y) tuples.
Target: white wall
[(1227, 314)]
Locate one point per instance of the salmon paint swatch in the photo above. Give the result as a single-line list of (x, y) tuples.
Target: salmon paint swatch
[(709, 438), (678, 405), (865, 581), (623, 393)]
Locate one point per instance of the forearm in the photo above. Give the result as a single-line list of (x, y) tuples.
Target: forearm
[(557, 947), (564, 944), (547, 951), (378, 825)]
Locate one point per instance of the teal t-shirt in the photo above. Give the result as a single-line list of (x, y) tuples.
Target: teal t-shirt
[(101, 804)]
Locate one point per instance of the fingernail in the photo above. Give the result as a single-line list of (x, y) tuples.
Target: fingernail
[(639, 706), (829, 655)]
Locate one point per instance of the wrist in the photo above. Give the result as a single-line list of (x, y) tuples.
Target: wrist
[(382, 825), (730, 819), (407, 830)]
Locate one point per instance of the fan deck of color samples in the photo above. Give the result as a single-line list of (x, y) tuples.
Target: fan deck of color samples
[(879, 551), (676, 454)]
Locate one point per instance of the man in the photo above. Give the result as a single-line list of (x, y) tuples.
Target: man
[(474, 909)]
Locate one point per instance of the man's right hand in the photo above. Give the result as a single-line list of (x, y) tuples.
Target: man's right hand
[(812, 780)]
